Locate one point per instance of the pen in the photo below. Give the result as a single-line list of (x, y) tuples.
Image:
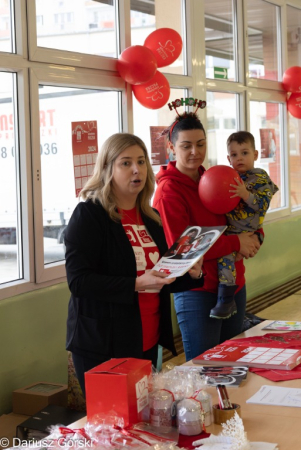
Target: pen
[(220, 397), (226, 396)]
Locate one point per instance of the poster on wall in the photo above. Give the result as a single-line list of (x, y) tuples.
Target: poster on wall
[(268, 143), (85, 150), (160, 152)]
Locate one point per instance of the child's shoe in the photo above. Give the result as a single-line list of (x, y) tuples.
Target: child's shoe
[(226, 306)]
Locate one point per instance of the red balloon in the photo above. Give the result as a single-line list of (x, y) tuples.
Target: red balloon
[(137, 64), (294, 105), (292, 79), (155, 93), (166, 44), (214, 189)]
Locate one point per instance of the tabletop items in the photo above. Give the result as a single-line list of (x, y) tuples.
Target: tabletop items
[(232, 437), (168, 410)]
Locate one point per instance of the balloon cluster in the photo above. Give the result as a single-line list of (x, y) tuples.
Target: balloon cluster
[(292, 83), (138, 65)]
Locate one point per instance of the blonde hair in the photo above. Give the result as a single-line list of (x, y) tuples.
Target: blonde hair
[(99, 186)]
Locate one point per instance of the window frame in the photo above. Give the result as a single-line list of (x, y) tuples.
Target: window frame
[(279, 98), (35, 65), (54, 56), (281, 40), (56, 76), (24, 185)]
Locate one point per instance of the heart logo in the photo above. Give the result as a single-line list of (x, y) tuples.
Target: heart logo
[(156, 96), (154, 257), (141, 387), (169, 47)]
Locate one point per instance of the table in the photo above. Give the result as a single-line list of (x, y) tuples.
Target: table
[(265, 423)]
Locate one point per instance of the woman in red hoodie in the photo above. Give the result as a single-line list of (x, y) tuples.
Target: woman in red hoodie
[(178, 202)]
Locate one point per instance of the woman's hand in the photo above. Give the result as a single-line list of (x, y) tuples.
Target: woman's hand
[(249, 244), (196, 271), (152, 280)]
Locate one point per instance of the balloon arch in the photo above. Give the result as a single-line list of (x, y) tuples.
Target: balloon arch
[(138, 65)]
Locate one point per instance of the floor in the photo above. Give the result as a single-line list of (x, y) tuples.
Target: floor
[(287, 309)]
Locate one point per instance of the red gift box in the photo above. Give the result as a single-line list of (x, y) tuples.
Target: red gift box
[(118, 387)]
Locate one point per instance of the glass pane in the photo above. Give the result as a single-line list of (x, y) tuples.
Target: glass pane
[(293, 36), (262, 37), (77, 26), (10, 255), (149, 123), (222, 120), (58, 108), (219, 37), (295, 160), (6, 32), (265, 127), (148, 16)]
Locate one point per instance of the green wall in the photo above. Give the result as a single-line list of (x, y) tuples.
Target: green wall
[(33, 325), (279, 259), (32, 335)]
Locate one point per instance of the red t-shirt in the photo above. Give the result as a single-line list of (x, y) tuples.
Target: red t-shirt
[(146, 254)]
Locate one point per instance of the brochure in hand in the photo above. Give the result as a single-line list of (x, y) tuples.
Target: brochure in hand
[(193, 243)]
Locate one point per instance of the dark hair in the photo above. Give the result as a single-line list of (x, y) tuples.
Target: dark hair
[(185, 121), (241, 137)]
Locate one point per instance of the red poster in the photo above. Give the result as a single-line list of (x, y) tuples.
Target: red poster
[(85, 150), (268, 143)]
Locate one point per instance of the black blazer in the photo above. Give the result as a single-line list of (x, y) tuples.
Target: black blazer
[(103, 315)]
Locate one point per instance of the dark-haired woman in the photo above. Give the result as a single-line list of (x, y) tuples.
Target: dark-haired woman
[(178, 202)]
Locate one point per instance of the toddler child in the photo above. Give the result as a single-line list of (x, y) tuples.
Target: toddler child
[(256, 189)]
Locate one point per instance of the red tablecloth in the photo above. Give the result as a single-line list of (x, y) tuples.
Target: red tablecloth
[(291, 339), (186, 441)]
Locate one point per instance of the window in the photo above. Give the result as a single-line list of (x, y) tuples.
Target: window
[(11, 267), (64, 18), (222, 120), (220, 40), (294, 131), (146, 17), (266, 129), (58, 108), (7, 43), (78, 26), (264, 48), (40, 21), (295, 161)]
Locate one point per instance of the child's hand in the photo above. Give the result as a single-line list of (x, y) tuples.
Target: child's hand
[(239, 190)]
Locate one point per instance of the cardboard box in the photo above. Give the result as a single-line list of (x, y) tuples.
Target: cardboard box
[(118, 387), (37, 426), (8, 424), (33, 398)]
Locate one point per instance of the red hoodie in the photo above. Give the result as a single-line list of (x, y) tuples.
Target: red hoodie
[(179, 205)]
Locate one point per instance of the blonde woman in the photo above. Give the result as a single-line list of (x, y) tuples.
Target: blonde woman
[(119, 306)]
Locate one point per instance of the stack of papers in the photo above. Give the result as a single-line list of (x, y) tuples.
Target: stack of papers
[(277, 396)]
